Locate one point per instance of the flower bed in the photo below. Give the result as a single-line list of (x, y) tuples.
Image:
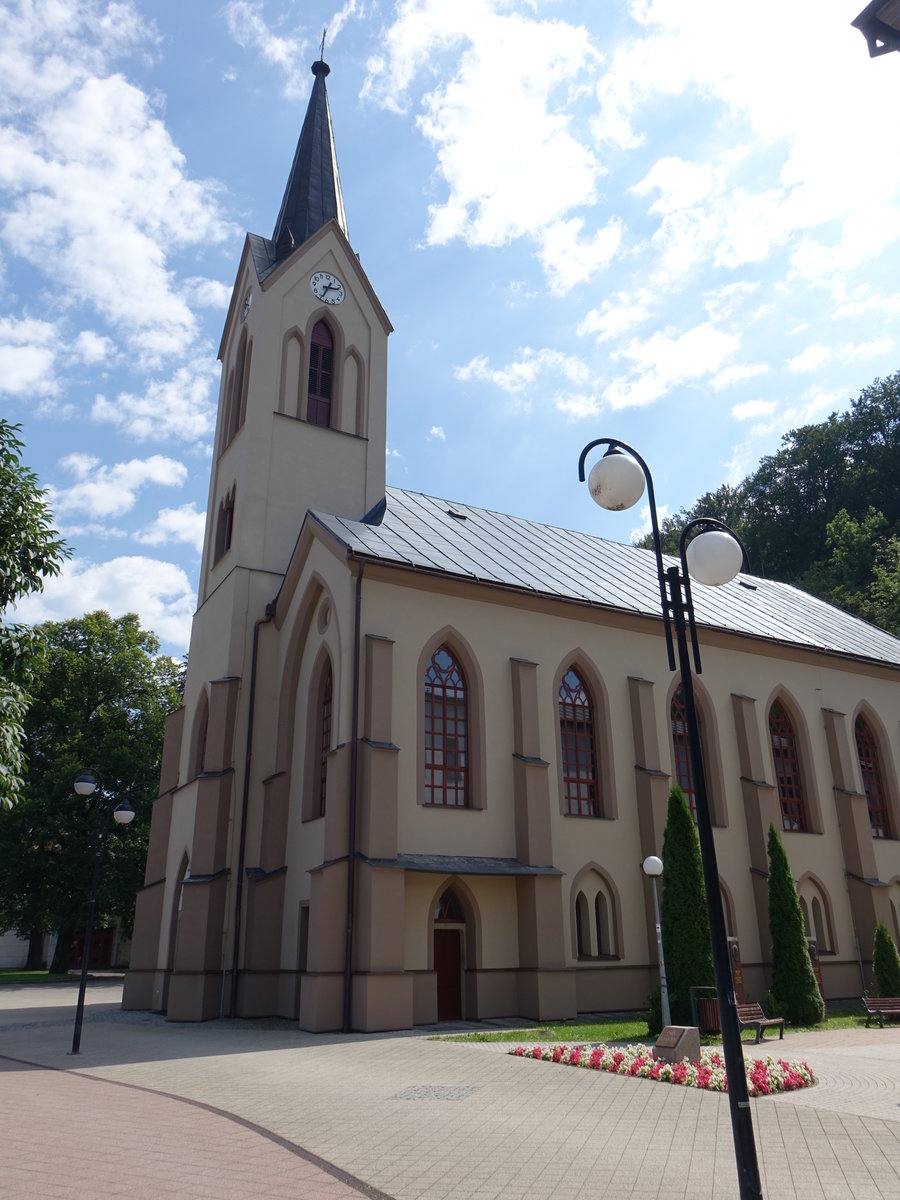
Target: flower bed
[(764, 1075)]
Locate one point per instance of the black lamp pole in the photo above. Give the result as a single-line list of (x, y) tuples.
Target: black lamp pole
[(678, 612), (85, 786)]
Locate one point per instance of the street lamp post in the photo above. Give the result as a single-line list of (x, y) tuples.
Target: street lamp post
[(653, 868), (714, 556), (85, 785)]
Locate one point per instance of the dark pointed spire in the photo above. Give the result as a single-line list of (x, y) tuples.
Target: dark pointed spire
[(313, 193)]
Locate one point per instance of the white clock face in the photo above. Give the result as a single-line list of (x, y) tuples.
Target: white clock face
[(327, 287)]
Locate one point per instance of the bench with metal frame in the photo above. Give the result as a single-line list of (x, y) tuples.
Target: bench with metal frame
[(881, 1007), (751, 1016)]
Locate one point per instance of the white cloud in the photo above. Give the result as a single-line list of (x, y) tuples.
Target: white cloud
[(751, 409), (182, 524), (738, 466), (810, 359), (523, 372), (436, 432), (661, 363), (864, 351), (90, 347), (180, 407), (287, 52), (508, 151), (615, 317), (724, 303), (159, 592), (103, 491), (28, 349), (207, 293), (646, 525), (737, 373), (94, 188), (568, 259)]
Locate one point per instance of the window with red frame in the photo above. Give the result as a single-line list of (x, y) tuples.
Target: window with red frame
[(787, 770), (578, 743), (325, 694), (870, 766), (446, 732), (684, 772), (321, 371)]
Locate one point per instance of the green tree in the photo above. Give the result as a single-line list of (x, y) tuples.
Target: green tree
[(30, 551), (685, 923), (794, 985), (100, 697), (886, 962)]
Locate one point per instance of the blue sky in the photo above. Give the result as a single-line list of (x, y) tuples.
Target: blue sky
[(674, 222)]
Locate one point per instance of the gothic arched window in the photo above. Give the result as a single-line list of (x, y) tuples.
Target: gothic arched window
[(321, 374), (446, 732), (787, 769), (324, 730), (578, 746), (870, 766)]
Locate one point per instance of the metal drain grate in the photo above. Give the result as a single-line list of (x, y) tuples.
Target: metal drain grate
[(435, 1092)]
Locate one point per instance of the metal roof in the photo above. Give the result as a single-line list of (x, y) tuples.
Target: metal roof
[(454, 539), (312, 197)]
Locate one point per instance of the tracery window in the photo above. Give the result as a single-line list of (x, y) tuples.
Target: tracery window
[(684, 772), (446, 732), (787, 770), (578, 746), (873, 784), (321, 376), (324, 739)]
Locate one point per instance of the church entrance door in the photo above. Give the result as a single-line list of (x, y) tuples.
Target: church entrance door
[(448, 968)]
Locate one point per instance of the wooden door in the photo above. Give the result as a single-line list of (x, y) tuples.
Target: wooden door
[(448, 968)]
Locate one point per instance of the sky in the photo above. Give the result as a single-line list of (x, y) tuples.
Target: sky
[(672, 222)]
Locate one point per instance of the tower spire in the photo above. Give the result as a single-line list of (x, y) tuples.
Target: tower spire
[(313, 193)]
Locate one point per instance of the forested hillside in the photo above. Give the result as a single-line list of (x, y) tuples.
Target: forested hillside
[(824, 511)]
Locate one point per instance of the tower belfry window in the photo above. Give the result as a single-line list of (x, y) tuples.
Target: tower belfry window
[(321, 373)]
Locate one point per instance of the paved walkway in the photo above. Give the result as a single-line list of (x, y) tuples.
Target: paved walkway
[(233, 1108)]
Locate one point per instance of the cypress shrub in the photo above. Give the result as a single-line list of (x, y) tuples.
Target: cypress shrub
[(685, 923), (793, 982), (886, 962)]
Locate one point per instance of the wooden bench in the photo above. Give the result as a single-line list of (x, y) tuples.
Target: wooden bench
[(751, 1016), (881, 1007)]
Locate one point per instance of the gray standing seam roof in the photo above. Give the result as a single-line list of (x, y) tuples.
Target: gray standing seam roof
[(426, 533)]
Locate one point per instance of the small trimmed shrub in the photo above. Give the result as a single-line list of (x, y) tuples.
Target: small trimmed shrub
[(794, 985), (886, 962)]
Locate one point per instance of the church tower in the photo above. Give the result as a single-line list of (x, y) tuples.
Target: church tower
[(301, 425)]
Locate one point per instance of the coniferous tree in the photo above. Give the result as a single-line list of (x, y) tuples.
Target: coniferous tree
[(794, 985), (685, 923), (886, 962)]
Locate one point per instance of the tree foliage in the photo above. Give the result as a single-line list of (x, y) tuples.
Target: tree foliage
[(886, 962), (794, 984), (823, 512), (30, 551), (100, 697), (685, 923)]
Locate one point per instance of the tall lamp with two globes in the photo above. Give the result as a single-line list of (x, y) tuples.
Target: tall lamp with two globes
[(85, 785), (712, 554)]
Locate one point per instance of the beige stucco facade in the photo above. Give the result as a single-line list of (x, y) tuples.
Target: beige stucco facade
[(254, 903)]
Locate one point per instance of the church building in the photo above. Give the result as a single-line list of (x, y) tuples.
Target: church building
[(425, 747)]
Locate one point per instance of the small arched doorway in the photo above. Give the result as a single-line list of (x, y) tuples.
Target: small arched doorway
[(449, 930)]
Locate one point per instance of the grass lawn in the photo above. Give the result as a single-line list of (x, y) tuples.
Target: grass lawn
[(32, 977), (637, 1030)]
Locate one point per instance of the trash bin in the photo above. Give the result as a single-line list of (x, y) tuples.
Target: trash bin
[(708, 1015)]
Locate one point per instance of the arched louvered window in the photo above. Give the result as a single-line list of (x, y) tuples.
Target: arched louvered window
[(578, 745), (787, 770), (324, 740), (684, 771), (870, 766), (321, 373), (446, 732)]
